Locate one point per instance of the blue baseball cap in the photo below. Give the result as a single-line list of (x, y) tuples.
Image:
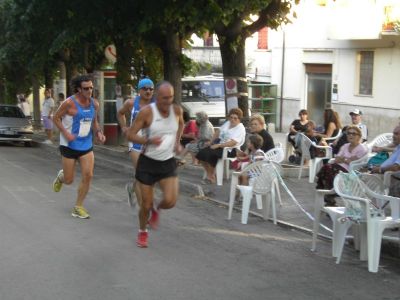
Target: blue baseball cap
[(145, 82)]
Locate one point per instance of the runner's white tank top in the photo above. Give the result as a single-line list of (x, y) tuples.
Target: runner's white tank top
[(166, 128)]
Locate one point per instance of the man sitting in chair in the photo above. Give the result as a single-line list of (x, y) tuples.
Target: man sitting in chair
[(393, 162), (355, 115)]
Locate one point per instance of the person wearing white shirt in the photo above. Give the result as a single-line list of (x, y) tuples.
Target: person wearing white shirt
[(47, 115), (231, 134)]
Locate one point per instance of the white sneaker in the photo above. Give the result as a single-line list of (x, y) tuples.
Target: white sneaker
[(48, 142)]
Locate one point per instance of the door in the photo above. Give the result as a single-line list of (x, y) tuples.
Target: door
[(319, 85)]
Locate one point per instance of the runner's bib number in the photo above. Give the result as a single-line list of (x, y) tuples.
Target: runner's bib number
[(84, 128)]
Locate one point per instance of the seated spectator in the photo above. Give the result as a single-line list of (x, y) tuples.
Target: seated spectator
[(353, 150), (231, 134), (393, 162), (254, 153), (190, 131), (257, 126), (355, 115), (312, 135), (203, 139), (298, 125), (332, 125)]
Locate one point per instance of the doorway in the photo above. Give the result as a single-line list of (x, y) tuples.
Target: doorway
[(319, 85)]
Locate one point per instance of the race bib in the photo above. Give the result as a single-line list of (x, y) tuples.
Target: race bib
[(84, 127)]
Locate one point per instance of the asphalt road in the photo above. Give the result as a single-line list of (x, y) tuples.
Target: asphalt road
[(196, 253)]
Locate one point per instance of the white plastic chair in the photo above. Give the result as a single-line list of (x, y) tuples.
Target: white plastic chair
[(289, 149), (276, 154), (314, 163), (381, 140), (223, 166), (334, 213), (360, 209), (333, 138), (264, 183)]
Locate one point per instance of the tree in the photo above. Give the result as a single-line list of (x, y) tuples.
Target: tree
[(233, 25)]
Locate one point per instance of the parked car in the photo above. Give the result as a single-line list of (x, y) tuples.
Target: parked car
[(14, 126), (204, 93)]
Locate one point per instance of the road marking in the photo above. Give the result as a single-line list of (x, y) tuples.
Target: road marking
[(245, 234), (16, 191)]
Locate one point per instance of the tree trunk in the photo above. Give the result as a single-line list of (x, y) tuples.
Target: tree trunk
[(172, 52), (233, 66), (36, 103), (48, 77)]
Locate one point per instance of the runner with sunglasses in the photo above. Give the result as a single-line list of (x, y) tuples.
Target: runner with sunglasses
[(76, 119), (132, 107)]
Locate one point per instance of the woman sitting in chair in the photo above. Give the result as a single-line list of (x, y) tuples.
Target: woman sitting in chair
[(257, 125), (332, 125), (353, 150), (231, 134)]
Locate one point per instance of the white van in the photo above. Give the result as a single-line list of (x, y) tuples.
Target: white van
[(204, 93)]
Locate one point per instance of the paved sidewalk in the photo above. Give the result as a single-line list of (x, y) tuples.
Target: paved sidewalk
[(289, 214)]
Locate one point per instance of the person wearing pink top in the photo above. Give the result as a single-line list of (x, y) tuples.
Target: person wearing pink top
[(190, 131), (353, 150)]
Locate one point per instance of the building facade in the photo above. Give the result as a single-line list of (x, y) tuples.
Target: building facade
[(343, 54)]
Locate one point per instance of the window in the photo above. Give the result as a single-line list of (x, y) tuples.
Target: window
[(366, 70), (263, 38)]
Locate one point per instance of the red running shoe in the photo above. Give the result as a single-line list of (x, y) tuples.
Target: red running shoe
[(142, 239), (154, 219)]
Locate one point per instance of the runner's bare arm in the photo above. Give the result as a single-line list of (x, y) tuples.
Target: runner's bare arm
[(98, 133), (141, 121), (121, 115), (64, 109), (181, 123)]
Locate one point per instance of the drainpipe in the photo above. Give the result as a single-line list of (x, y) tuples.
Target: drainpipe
[(282, 78)]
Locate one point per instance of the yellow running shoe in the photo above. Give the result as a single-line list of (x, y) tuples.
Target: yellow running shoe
[(80, 212), (57, 183)]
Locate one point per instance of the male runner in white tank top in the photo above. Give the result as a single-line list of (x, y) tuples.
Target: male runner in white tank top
[(162, 125)]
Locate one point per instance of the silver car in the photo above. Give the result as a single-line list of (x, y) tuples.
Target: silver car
[(14, 126)]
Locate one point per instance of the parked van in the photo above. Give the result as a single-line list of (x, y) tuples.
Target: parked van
[(204, 93)]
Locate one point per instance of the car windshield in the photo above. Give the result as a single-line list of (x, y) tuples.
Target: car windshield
[(194, 91), (11, 112)]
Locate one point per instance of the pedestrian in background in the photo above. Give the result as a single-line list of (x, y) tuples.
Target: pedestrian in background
[(47, 115), (61, 99), (77, 121), (24, 106)]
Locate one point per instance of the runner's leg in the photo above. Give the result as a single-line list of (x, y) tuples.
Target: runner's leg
[(170, 189), (147, 192), (134, 157), (87, 163), (68, 169)]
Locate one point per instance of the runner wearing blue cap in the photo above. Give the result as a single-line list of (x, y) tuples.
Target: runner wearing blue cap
[(132, 107)]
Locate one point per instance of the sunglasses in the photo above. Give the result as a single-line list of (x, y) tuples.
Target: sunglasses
[(147, 89), (352, 133), (87, 88)]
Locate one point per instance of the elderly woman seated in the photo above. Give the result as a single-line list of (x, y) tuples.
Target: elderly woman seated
[(202, 140), (353, 150), (232, 134)]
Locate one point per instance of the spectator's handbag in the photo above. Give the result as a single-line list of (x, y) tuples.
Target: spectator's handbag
[(378, 158), (237, 164), (394, 188)]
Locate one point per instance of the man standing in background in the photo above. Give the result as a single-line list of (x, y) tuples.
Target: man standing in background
[(47, 115)]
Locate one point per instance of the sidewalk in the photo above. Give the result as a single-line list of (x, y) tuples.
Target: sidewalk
[(288, 215)]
